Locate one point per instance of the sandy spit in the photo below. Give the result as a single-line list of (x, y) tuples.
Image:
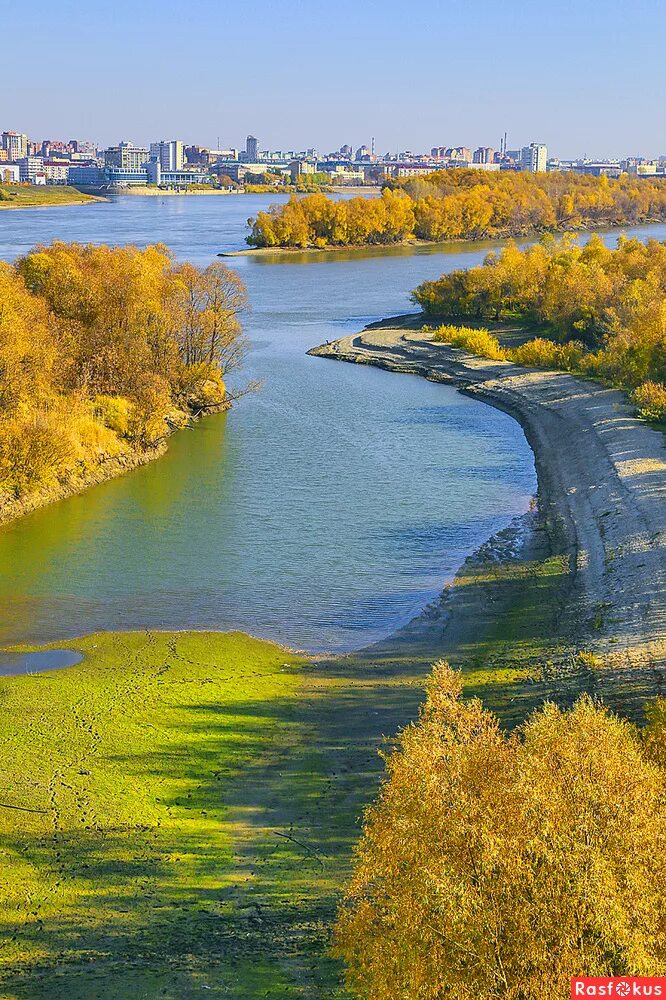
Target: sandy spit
[(602, 484)]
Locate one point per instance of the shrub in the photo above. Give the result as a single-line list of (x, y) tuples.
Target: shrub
[(479, 342), (201, 385), (33, 450), (114, 412), (654, 734), (650, 400), (590, 660), (152, 403), (543, 353), (94, 440)]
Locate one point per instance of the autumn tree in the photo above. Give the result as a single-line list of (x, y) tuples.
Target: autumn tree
[(207, 328), (613, 302), (113, 309), (497, 865), (461, 204), (28, 346), (101, 349)]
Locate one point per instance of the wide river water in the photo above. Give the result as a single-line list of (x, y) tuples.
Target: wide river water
[(323, 511)]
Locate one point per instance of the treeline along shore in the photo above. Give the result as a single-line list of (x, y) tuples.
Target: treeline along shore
[(597, 311), (460, 205), (104, 352)]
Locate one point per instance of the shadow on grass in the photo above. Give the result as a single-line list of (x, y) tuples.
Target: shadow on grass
[(232, 889), (236, 888)]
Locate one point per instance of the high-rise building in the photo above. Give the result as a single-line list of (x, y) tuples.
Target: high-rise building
[(16, 144), (126, 156), (169, 153), (32, 167), (251, 149), (484, 154), (534, 158), (460, 153)]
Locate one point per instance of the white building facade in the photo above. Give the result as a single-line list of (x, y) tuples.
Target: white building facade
[(534, 158)]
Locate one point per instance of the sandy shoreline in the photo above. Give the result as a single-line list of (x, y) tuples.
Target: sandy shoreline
[(75, 202), (602, 486)]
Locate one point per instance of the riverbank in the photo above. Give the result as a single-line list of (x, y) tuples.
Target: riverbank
[(287, 251), (528, 234), (149, 191), (602, 494), (180, 809), (43, 196), (83, 477)]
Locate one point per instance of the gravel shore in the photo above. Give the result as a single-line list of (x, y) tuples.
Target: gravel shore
[(602, 488)]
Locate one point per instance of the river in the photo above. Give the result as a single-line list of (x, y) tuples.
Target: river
[(323, 511)]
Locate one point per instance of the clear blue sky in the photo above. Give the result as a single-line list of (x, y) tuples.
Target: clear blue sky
[(584, 76)]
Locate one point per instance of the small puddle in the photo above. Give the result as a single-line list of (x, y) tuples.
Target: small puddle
[(12, 664)]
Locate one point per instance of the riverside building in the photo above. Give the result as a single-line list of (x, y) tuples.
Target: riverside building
[(126, 156)]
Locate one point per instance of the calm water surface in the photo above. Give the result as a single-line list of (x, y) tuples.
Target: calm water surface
[(322, 512)]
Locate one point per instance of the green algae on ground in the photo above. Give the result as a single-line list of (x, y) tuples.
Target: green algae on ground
[(184, 806), (119, 872)]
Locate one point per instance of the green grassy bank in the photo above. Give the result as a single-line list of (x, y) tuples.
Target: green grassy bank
[(123, 796), (40, 195), (179, 810)]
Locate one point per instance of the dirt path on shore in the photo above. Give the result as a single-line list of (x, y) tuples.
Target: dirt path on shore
[(602, 490)]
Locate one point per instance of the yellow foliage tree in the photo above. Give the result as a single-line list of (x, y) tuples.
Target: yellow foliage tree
[(500, 866), (611, 301), (461, 204), (99, 346)]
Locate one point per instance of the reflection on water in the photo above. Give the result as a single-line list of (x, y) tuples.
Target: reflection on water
[(323, 511), (12, 664)]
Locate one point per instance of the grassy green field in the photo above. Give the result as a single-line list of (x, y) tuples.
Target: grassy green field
[(178, 811), (121, 878), (35, 195)]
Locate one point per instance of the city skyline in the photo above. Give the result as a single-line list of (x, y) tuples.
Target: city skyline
[(305, 76)]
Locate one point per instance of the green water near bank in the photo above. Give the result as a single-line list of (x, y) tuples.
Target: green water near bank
[(323, 511)]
